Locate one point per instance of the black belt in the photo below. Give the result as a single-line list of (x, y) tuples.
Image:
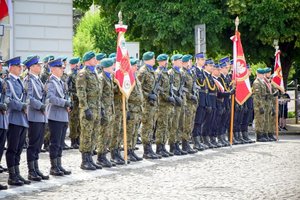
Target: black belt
[(212, 94), (203, 91)]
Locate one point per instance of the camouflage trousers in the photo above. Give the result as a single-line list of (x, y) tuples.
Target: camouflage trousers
[(132, 129), (175, 133), (186, 122), (148, 118), (117, 133), (259, 120), (163, 125), (106, 130), (90, 129), (47, 134), (74, 121), (272, 117)]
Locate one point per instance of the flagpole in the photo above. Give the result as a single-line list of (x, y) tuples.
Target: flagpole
[(276, 101), (236, 22)]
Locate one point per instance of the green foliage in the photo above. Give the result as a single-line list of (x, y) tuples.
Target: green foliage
[(94, 33), (291, 114)]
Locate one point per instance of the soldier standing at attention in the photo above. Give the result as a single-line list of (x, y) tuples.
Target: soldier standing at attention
[(18, 122), (202, 103), (107, 111), (134, 110), (58, 117), (165, 106), (88, 92), (74, 115), (175, 133), (146, 76), (36, 114), (3, 120), (190, 102), (259, 94), (99, 57)]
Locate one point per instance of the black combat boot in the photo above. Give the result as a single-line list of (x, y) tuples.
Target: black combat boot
[(136, 156), (32, 175), (92, 161), (36, 167), (265, 135), (260, 137), (13, 178), (180, 150), (66, 172), (74, 144), (246, 137), (166, 151), (118, 150), (54, 170), (236, 138), (197, 145), (174, 150), (103, 161), (271, 137), (17, 170), (114, 157), (85, 163), (160, 151), (130, 156), (208, 143), (154, 155), (187, 148), (3, 187)]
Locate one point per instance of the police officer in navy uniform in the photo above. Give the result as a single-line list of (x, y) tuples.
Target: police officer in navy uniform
[(58, 118), (202, 103), (18, 122), (36, 114), (3, 120)]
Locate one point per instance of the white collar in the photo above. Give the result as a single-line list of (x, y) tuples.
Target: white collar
[(16, 77), (35, 76), (56, 77)]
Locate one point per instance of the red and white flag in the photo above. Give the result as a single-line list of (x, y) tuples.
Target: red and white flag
[(277, 79), (124, 75), (240, 71), (3, 9)]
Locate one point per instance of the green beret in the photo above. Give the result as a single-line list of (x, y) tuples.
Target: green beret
[(107, 62), (74, 60), (88, 56), (48, 58), (148, 55), (133, 61), (176, 57), (260, 71), (162, 57), (186, 58), (100, 56), (267, 70), (112, 55)]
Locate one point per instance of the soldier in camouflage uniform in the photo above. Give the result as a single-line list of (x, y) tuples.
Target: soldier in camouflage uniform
[(44, 78), (190, 102), (74, 115), (88, 92), (146, 76), (272, 92), (99, 57), (107, 111), (165, 106), (259, 93), (175, 132), (134, 110)]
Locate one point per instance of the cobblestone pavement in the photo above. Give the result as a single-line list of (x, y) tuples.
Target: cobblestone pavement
[(254, 171)]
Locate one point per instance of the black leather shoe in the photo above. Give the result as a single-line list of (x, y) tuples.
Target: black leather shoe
[(174, 150), (165, 150), (66, 172), (85, 163), (208, 143), (187, 148), (136, 156), (54, 170), (160, 151), (130, 156), (93, 163), (271, 137), (17, 170), (13, 178), (147, 152), (32, 175), (103, 161), (197, 144), (260, 138), (180, 150), (115, 158), (36, 167), (3, 187)]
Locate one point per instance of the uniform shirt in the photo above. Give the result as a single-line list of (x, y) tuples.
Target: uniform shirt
[(146, 76)]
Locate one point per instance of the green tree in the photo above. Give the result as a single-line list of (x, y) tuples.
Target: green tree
[(165, 26), (94, 33)]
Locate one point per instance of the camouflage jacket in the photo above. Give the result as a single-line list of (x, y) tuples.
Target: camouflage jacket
[(88, 88), (71, 81), (45, 75), (107, 88), (164, 84), (147, 80), (136, 99), (259, 92)]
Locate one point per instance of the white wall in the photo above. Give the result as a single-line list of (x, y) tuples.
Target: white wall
[(43, 27)]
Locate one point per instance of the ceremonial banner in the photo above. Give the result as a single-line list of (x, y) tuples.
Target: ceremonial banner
[(124, 76), (240, 72), (3, 9), (277, 79)]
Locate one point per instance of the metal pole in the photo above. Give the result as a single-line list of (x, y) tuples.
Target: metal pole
[(296, 101)]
